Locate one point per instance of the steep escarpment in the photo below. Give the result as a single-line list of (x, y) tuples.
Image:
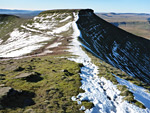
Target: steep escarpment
[(119, 48)]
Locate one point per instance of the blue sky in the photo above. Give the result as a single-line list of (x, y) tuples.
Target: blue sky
[(124, 6)]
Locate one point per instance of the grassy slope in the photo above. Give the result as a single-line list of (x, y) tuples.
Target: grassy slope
[(53, 93)]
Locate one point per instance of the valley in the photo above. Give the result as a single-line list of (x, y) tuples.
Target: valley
[(137, 24)]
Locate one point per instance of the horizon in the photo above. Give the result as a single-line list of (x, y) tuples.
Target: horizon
[(107, 6), (70, 8)]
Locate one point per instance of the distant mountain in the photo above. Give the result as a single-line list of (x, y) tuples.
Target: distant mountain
[(21, 13)]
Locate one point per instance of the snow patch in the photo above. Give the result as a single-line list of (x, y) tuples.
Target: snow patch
[(139, 93), (46, 52), (43, 26), (25, 42), (54, 45), (114, 49), (62, 29), (67, 18), (33, 30)]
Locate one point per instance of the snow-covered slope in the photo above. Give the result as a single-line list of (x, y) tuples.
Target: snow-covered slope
[(36, 33)]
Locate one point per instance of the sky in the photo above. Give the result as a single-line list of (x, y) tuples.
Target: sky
[(118, 6)]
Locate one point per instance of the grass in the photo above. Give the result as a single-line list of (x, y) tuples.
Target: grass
[(60, 81), (87, 104)]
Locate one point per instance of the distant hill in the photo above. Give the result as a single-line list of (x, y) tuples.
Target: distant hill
[(21, 13)]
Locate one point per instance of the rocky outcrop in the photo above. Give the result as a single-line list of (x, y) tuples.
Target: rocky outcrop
[(117, 47), (2, 76), (29, 77), (11, 98), (6, 92)]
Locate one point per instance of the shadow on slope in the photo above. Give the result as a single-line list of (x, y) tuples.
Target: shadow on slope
[(115, 46)]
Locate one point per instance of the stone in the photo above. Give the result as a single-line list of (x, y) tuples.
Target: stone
[(29, 111), (6, 91), (2, 85), (19, 69), (29, 77), (10, 97), (28, 102), (29, 67), (2, 75), (25, 75)]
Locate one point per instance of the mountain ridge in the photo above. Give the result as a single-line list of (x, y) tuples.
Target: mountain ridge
[(113, 37), (41, 45)]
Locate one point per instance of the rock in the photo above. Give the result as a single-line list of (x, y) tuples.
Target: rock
[(50, 106), (29, 67), (25, 75), (65, 70), (13, 67), (67, 73), (2, 85), (2, 75), (47, 101), (35, 59), (54, 70), (4, 91), (29, 111), (28, 102), (81, 65), (11, 98), (19, 69), (30, 77)]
